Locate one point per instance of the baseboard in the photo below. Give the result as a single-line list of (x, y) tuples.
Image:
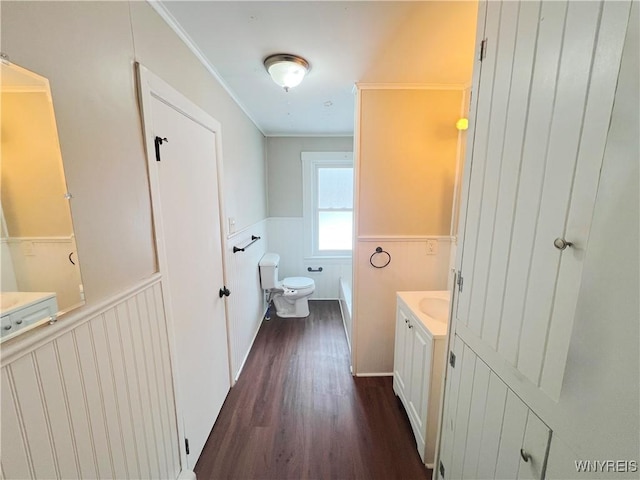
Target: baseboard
[(375, 374), (246, 356)]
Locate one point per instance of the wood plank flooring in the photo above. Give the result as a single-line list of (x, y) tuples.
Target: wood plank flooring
[(297, 413)]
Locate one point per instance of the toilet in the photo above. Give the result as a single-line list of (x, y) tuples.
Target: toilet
[(291, 295)]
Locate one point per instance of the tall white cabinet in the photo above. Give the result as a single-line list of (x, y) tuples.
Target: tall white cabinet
[(543, 92)]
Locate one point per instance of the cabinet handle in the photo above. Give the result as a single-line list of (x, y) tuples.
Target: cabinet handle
[(406, 320), (525, 456), (410, 326), (561, 243)]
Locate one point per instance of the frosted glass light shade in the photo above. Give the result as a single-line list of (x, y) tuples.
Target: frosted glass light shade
[(286, 70)]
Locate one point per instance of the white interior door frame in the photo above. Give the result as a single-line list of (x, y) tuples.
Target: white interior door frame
[(151, 86)]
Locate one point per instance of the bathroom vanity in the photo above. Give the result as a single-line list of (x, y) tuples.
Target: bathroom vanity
[(22, 310), (418, 366)]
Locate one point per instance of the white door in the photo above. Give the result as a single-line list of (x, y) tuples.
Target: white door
[(543, 104), (187, 221)]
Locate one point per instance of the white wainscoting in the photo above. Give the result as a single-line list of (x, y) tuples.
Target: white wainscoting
[(92, 395), (286, 238), (410, 269), (245, 305)]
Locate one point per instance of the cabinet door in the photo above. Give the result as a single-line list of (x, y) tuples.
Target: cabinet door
[(488, 432), (420, 380), (544, 96), (402, 354)]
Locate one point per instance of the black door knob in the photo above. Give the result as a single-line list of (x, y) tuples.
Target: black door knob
[(224, 292)]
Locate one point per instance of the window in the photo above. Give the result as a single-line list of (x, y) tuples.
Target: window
[(328, 203)]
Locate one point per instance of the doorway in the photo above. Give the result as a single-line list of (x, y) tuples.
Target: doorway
[(184, 155)]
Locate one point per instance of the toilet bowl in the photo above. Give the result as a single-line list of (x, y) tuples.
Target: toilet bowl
[(291, 295)]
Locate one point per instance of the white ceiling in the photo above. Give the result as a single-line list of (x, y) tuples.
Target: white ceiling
[(345, 43)]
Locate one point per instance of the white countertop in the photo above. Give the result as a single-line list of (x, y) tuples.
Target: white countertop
[(411, 300), (12, 301)]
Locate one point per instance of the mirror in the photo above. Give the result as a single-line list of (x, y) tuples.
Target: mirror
[(40, 268)]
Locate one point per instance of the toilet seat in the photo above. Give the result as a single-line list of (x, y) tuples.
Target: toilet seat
[(297, 283)]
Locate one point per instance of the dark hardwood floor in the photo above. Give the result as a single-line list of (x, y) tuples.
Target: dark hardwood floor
[(297, 413)]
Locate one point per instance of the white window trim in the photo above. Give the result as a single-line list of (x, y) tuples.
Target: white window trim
[(310, 162)]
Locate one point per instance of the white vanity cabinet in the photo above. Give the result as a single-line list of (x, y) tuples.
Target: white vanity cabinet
[(22, 310), (417, 375)]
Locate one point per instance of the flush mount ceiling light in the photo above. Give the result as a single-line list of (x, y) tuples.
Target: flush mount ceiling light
[(286, 70)]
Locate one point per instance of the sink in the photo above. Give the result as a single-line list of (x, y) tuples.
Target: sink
[(436, 308), (430, 307)]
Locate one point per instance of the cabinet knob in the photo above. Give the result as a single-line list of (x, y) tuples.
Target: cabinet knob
[(525, 456), (410, 326), (561, 243)]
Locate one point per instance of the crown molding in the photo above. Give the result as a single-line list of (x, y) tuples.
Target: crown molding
[(170, 20), (410, 86)]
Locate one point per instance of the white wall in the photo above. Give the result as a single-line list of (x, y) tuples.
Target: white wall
[(245, 305), (410, 269), (600, 394), (41, 264), (8, 281), (93, 394), (407, 151), (284, 169), (286, 237), (87, 51), (286, 226)]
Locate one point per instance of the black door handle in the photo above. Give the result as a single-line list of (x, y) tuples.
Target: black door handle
[(224, 292)]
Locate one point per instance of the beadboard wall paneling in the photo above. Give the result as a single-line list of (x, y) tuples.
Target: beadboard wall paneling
[(97, 400), (286, 238), (245, 305), (410, 269)]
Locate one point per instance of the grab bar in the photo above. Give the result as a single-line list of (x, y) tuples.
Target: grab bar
[(254, 239), (309, 269)]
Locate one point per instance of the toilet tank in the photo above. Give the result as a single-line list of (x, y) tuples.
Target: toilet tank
[(269, 270)]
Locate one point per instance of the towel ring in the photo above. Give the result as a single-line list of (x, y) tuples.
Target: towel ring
[(380, 250)]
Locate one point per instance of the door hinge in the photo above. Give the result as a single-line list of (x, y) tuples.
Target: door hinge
[(460, 281), (483, 49), (186, 445), (452, 359), (441, 470), (158, 141)]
